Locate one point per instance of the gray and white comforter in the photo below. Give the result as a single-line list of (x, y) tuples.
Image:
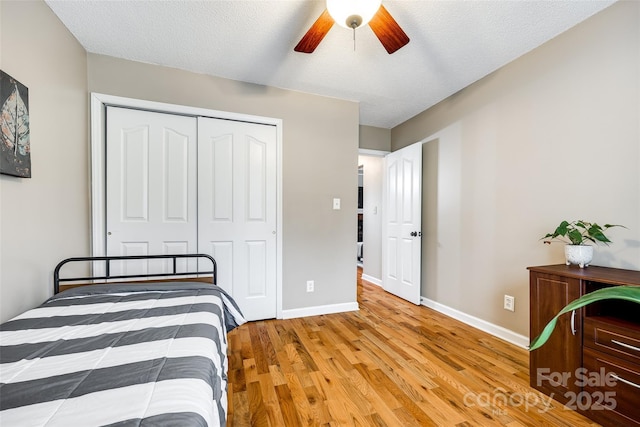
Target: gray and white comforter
[(127, 355)]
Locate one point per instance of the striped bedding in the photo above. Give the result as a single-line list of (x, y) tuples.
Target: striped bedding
[(125, 355)]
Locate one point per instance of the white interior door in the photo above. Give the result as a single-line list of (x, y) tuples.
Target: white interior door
[(237, 210), (402, 201), (151, 205)]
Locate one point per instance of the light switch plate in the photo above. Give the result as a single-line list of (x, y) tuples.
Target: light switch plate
[(336, 204)]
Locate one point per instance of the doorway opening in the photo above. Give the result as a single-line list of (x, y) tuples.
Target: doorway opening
[(369, 215)]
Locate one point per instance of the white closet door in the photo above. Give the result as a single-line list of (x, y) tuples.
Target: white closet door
[(151, 194), (237, 210)]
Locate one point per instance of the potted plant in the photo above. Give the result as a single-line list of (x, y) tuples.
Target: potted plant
[(578, 235)]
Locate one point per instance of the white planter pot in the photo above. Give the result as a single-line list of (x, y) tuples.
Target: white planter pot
[(578, 254)]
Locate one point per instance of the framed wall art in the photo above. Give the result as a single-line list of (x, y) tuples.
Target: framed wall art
[(15, 147)]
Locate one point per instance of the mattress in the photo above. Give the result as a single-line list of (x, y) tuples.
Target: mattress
[(126, 354)]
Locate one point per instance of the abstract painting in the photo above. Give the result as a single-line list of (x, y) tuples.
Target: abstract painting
[(15, 148)]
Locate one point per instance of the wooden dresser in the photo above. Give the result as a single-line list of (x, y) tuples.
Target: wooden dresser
[(591, 362)]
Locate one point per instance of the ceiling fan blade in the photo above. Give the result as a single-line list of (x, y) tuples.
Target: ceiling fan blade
[(388, 31), (316, 33)]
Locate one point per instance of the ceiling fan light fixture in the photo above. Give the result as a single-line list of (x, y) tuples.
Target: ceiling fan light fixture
[(352, 13)]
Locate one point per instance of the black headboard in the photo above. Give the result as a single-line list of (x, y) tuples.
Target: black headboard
[(107, 260)]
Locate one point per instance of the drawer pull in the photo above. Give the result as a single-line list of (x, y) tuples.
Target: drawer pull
[(622, 344), (616, 377), (573, 322)]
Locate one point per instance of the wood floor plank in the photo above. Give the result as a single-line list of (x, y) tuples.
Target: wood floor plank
[(250, 371), (259, 355), (391, 363), (319, 412), (270, 400), (257, 413), (300, 400), (290, 414)]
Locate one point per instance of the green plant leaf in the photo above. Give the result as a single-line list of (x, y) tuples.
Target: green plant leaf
[(596, 232), (575, 236), (582, 224), (628, 293), (562, 229)]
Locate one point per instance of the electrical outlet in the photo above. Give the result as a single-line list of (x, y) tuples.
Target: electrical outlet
[(310, 285), (509, 303)]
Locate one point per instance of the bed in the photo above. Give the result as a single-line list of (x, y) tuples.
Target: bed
[(127, 353)]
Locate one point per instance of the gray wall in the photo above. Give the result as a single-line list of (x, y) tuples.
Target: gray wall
[(45, 218), (374, 138), (318, 242), (429, 271), (553, 135)]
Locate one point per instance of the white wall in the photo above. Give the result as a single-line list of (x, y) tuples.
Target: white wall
[(554, 135), (372, 217)]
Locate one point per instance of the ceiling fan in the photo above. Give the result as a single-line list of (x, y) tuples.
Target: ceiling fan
[(353, 14)]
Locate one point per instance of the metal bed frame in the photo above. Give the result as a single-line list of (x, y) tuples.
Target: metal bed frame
[(107, 276)]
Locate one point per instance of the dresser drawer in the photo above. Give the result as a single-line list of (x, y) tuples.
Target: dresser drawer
[(617, 338), (611, 393)]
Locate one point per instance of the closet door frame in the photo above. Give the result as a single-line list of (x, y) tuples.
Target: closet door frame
[(100, 101)]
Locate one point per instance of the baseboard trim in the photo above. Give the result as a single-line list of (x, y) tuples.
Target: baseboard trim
[(495, 330), (320, 310), (372, 279)]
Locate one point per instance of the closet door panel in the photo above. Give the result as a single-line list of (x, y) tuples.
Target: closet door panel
[(256, 180), (220, 178), (176, 163), (151, 205), (134, 174), (257, 271), (237, 209)]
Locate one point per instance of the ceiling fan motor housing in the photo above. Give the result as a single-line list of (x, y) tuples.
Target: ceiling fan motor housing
[(347, 12), (354, 21)]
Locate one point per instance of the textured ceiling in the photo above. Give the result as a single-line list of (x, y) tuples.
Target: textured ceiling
[(453, 44)]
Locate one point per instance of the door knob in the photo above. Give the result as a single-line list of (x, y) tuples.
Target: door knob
[(415, 233)]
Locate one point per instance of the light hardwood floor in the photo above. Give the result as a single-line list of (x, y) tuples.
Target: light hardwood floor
[(389, 364)]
